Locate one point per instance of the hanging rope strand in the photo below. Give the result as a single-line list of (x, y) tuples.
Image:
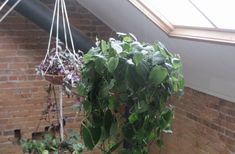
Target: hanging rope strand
[(57, 34), (50, 35), (9, 11), (61, 113), (3, 5), (65, 31), (70, 34), (57, 26)]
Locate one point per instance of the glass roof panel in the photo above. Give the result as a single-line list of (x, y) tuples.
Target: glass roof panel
[(180, 12), (220, 12)]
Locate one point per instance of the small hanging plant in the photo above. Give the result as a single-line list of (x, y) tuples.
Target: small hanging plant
[(61, 66), (125, 85)]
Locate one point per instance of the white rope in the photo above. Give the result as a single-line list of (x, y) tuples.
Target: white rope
[(60, 4), (61, 113), (66, 15), (9, 11), (65, 31), (57, 25), (50, 36), (3, 5)]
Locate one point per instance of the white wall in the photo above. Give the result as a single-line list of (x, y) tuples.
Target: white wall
[(208, 67)]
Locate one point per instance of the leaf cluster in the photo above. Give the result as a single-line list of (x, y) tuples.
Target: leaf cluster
[(53, 145), (125, 85)]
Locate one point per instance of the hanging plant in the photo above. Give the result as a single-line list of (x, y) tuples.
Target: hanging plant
[(61, 65), (125, 85)]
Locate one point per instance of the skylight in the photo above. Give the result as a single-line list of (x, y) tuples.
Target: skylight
[(220, 12), (211, 20), (179, 12), (196, 13)]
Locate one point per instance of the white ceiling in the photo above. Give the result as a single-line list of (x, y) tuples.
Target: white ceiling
[(208, 67)]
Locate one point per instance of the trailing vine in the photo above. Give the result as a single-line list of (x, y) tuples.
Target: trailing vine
[(125, 85)]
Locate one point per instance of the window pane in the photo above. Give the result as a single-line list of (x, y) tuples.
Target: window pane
[(220, 12), (179, 12)]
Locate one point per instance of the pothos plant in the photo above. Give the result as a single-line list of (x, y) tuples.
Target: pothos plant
[(125, 85)]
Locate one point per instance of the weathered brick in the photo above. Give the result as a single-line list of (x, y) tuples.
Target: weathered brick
[(23, 95)]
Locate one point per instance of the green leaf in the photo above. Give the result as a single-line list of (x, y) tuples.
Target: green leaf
[(87, 138), (87, 58), (157, 59), (176, 63), (168, 115), (163, 124), (112, 64), (141, 107), (166, 118), (143, 70), (158, 74), (160, 47), (97, 117), (81, 89), (45, 152), (111, 102), (133, 80), (128, 131), (103, 46), (152, 136), (138, 56), (96, 134), (114, 129), (127, 39), (133, 118), (108, 119), (126, 47), (100, 63), (111, 84), (87, 106), (117, 47)]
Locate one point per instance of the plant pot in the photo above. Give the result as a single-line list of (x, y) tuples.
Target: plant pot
[(54, 79)]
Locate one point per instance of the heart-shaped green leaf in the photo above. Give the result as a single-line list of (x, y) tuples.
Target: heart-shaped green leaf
[(158, 74), (87, 138), (112, 64)]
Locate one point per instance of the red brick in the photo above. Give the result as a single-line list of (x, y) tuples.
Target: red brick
[(23, 95)]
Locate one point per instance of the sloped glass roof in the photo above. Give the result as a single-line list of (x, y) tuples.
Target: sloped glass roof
[(220, 12), (210, 20), (179, 12), (217, 14)]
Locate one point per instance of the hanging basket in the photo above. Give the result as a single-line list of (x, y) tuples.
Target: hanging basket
[(54, 79)]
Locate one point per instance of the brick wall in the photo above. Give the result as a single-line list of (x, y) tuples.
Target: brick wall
[(23, 95), (203, 124)]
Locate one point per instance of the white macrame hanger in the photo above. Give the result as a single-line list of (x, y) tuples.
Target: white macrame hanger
[(60, 5), (9, 11), (3, 4)]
